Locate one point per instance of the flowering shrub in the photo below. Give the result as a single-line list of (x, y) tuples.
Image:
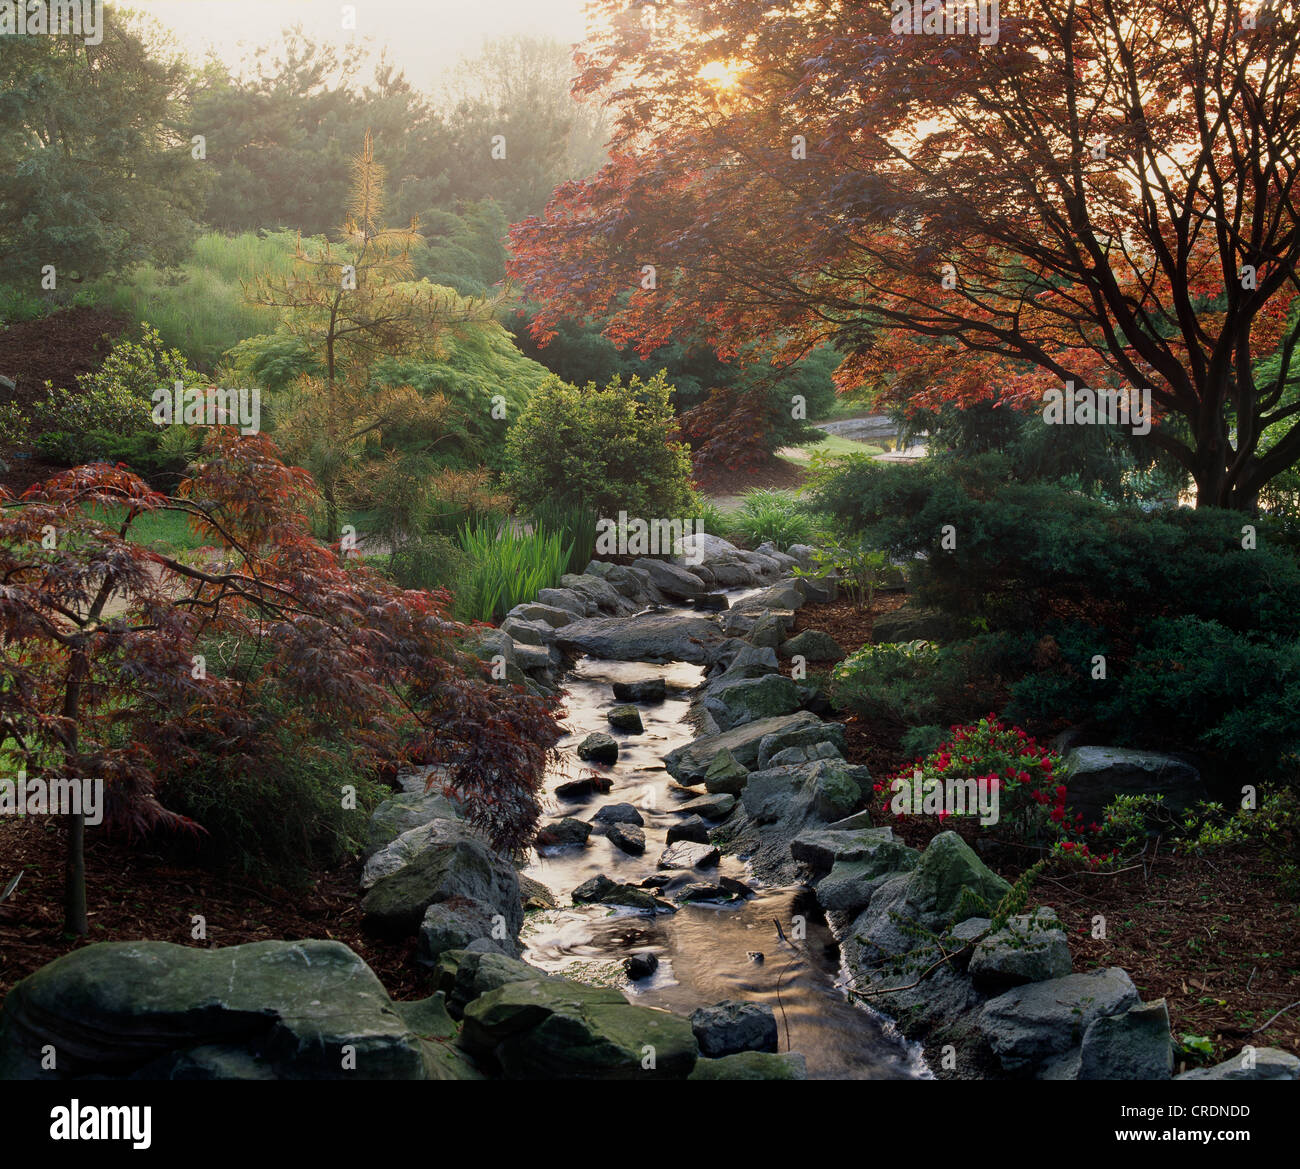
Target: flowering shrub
[(1026, 776)]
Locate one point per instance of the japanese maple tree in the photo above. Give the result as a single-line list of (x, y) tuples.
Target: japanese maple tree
[(105, 673), (1104, 195)]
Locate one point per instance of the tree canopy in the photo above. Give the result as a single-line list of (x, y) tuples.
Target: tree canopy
[(1105, 195)]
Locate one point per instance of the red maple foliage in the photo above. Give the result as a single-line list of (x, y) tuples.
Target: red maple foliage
[(1104, 195), (106, 671)]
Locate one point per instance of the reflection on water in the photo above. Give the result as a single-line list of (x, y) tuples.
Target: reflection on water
[(706, 952)]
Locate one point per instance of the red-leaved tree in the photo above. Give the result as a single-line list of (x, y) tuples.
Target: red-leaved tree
[(105, 674), (1104, 195)]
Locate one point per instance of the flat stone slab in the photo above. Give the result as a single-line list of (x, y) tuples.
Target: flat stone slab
[(686, 854), (647, 637)]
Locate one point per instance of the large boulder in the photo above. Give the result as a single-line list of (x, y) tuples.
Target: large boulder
[(464, 975), (403, 812), (1096, 775), (551, 1029), (155, 1010), (672, 579), (442, 861), (731, 1026), (603, 595), (1033, 1023), (570, 601), (725, 776), (948, 876), (645, 637), (809, 733), (454, 925), (536, 613), (689, 763), (1135, 1045), (850, 884), (746, 700), (1029, 949), (812, 645)]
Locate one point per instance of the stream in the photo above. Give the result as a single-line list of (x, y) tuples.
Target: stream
[(704, 950)]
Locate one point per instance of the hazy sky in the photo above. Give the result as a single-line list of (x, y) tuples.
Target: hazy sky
[(423, 37)]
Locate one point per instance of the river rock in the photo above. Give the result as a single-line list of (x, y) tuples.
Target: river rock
[(813, 645), (705, 891), (1028, 949), (598, 748), (752, 1065), (602, 595), (808, 733), (282, 1010), (454, 925), (792, 756), (712, 807), (747, 700), (404, 811), (1096, 775), (672, 579), (823, 848), (551, 615), (559, 833), (689, 763), (645, 637), (551, 1029), (640, 966), (626, 719), (619, 814), (1032, 1023), (948, 872), (584, 788), (538, 633), (1134, 1045), (602, 890), (628, 837), (712, 603), (651, 690), (691, 828), (786, 595), (438, 862), (731, 1026), (1253, 1063), (685, 854), (464, 975), (850, 884), (770, 630), (725, 776), (739, 659), (577, 605)]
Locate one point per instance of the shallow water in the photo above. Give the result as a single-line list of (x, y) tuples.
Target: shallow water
[(704, 951)]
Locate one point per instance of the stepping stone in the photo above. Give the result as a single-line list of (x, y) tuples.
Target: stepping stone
[(692, 828), (651, 690), (564, 832), (626, 719), (619, 814), (640, 966)]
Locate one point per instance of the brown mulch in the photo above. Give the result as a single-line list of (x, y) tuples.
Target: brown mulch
[(776, 474), (56, 349), (1217, 937), (136, 892)]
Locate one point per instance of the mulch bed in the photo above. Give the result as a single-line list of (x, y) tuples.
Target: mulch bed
[(135, 892), (1216, 937), (56, 349)]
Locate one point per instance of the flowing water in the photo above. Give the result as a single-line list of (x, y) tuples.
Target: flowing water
[(706, 952)]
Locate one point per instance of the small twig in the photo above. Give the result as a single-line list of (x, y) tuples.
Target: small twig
[(1280, 1013)]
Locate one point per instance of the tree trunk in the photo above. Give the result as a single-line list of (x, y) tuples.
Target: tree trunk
[(74, 890)]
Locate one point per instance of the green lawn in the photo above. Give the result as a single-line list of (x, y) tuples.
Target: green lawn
[(833, 447)]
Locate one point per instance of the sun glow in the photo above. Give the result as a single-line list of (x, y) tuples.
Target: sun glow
[(722, 74)]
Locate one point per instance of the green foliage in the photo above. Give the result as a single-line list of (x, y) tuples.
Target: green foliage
[(199, 306), (857, 566), (285, 828), (907, 682), (507, 568), (430, 562), (93, 178), (769, 515), (918, 741), (576, 524), (607, 446)]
